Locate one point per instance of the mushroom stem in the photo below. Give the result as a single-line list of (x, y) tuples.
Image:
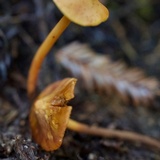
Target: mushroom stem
[(42, 52), (108, 133)]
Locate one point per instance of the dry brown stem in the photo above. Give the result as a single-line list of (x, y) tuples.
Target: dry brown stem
[(100, 73)]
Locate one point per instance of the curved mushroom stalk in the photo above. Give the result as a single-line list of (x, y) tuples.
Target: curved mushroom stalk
[(50, 114), (109, 133), (42, 52), (82, 12)]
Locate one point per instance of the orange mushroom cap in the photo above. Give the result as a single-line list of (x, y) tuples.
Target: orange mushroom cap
[(83, 12), (50, 114)]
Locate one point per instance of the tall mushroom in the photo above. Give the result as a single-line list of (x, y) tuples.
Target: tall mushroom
[(82, 12)]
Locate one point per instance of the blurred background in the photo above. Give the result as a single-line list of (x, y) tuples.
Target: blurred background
[(131, 32)]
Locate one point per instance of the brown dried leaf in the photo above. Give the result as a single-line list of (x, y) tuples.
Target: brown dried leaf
[(50, 114), (100, 73)]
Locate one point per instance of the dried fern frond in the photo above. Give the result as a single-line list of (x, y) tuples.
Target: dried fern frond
[(100, 73)]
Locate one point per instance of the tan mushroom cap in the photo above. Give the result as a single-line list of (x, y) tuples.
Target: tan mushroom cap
[(83, 12)]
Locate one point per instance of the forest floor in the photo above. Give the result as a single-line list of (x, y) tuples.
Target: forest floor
[(131, 34)]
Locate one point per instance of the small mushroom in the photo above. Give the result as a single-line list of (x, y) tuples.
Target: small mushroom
[(50, 114), (82, 12), (50, 117)]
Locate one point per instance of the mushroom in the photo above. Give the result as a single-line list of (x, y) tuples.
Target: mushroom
[(82, 12), (50, 114), (50, 117)]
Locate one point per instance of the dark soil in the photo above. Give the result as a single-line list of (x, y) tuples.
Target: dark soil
[(132, 34)]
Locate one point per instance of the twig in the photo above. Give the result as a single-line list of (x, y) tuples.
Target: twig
[(40, 15), (124, 42)]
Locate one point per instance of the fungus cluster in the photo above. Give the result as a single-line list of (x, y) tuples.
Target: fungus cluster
[(49, 116)]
